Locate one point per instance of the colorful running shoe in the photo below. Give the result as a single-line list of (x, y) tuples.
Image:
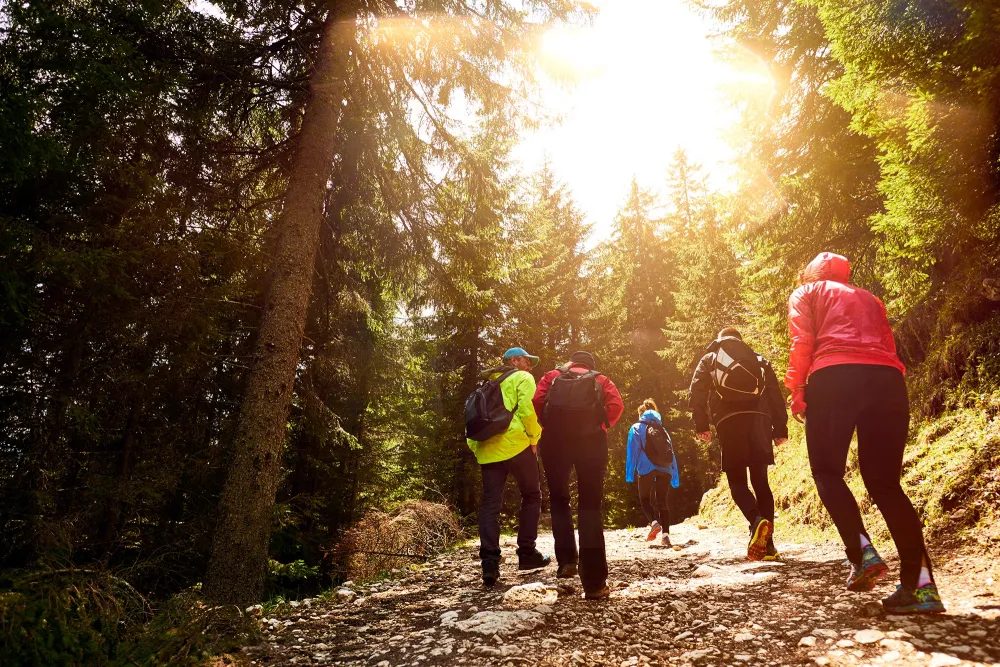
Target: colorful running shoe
[(760, 533), (924, 600), (665, 540), (772, 552), (863, 578), (654, 530)]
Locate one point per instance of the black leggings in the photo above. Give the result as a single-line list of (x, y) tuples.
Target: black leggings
[(752, 507), (873, 400), (745, 447), (655, 485)]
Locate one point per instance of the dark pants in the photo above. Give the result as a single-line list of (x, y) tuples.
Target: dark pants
[(745, 447), (873, 400), (655, 486), (589, 455), (524, 469)]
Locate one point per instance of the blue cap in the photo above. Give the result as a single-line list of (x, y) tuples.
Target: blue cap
[(519, 352)]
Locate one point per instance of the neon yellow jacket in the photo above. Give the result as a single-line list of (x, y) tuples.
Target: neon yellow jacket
[(518, 390)]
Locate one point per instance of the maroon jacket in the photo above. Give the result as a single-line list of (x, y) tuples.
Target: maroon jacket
[(613, 404)]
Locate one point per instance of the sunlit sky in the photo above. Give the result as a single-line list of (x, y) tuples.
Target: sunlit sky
[(649, 80)]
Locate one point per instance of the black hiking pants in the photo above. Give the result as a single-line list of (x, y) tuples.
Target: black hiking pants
[(653, 490), (524, 469), (873, 400), (588, 454), (745, 447)]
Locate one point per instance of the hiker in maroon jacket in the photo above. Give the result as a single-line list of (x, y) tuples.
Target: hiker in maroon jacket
[(576, 405)]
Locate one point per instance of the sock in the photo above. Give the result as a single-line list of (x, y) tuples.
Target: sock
[(925, 577), (865, 542)]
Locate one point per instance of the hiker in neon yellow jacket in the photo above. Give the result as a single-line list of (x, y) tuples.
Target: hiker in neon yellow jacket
[(512, 452), (524, 431)]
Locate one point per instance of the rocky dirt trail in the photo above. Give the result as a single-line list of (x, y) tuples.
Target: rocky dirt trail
[(701, 605)]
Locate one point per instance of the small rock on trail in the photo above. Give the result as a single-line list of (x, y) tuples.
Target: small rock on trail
[(704, 605)]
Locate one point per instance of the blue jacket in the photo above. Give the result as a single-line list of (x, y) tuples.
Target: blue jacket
[(635, 458)]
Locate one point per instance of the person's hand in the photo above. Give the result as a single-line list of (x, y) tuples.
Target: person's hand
[(705, 435), (780, 441), (797, 405)]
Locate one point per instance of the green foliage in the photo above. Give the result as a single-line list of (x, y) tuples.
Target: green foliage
[(66, 617), (186, 631)]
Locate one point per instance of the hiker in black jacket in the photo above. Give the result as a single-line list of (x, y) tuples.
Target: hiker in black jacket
[(735, 389)]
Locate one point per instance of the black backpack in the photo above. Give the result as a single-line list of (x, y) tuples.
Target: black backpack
[(485, 412), (738, 372), (657, 447), (575, 401)]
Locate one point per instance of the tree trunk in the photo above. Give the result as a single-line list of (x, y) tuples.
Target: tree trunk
[(239, 550)]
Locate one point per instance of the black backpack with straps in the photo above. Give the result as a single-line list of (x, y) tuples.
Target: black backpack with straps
[(657, 446), (575, 402), (737, 372), (485, 412)]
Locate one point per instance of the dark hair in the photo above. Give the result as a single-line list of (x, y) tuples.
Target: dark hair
[(584, 359), (648, 404), (731, 331)]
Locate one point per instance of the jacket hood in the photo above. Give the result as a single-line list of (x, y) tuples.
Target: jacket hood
[(827, 266), (651, 416)]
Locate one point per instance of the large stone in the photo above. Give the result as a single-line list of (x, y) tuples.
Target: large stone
[(345, 595), (705, 571), (530, 595), (503, 623), (869, 636)]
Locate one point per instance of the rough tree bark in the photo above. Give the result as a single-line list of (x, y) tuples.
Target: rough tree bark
[(237, 566)]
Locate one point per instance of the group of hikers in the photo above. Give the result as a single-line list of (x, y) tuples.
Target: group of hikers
[(844, 376)]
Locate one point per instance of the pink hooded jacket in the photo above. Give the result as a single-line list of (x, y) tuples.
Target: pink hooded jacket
[(832, 322)]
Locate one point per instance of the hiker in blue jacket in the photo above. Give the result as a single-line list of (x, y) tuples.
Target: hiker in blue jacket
[(653, 477)]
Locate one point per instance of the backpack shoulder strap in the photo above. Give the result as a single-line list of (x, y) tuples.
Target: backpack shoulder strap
[(506, 374)]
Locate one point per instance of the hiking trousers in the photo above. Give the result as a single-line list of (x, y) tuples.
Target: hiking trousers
[(524, 469), (745, 448), (653, 490), (873, 400), (588, 454)]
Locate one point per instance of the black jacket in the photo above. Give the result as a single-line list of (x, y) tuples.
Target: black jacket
[(707, 407)]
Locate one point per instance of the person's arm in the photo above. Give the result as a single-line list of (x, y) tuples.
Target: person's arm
[(632, 453), (540, 393), (775, 403), (802, 331), (613, 404), (526, 407), (888, 339), (701, 386)]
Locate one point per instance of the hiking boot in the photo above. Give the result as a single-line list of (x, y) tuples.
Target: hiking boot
[(600, 594), (654, 530), (665, 540), (533, 561), (863, 577), (759, 535), (924, 600), (491, 572), (566, 571), (772, 551)]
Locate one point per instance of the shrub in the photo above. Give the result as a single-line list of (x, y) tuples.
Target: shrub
[(66, 617), (382, 541)]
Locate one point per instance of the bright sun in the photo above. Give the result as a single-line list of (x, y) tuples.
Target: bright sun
[(641, 81)]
